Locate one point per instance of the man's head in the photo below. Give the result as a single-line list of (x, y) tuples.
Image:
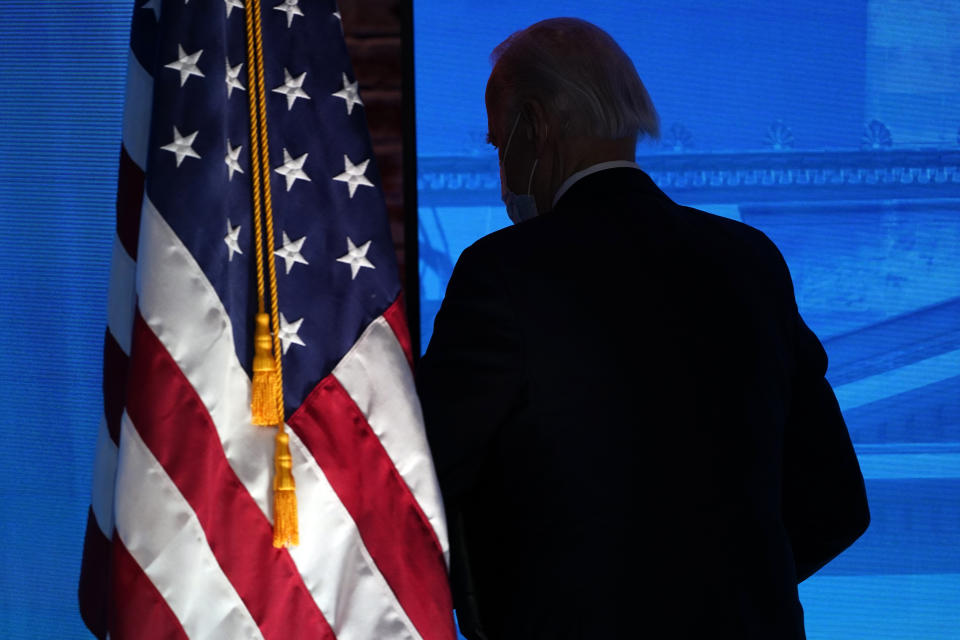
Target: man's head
[(570, 97)]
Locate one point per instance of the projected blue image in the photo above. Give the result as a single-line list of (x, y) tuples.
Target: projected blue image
[(61, 103), (835, 129)]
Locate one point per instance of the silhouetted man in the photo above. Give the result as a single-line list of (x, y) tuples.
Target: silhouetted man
[(629, 418)]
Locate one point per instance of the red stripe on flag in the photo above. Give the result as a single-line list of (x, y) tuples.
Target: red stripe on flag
[(115, 365), (175, 425), (395, 316), (129, 201), (393, 527), (140, 612), (94, 589)]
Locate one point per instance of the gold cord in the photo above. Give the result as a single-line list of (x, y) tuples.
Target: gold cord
[(255, 157), (267, 196), (267, 405)]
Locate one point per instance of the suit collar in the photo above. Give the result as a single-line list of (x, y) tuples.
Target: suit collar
[(569, 182), (608, 185)]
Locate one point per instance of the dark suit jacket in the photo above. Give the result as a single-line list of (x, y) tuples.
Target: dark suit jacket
[(631, 426)]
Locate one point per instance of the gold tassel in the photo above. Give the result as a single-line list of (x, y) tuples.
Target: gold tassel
[(267, 392), (285, 528), (264, 403)]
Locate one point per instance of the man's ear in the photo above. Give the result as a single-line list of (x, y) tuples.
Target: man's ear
[(538, 124)]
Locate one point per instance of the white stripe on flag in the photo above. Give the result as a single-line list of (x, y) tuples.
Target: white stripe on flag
[(121, 296), (335, 565), (162, 533), (136, 111), (376, 374), (181, 307), (104, 477), (183, 310)]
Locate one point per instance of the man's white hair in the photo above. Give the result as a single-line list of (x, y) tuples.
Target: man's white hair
[(577, 72)]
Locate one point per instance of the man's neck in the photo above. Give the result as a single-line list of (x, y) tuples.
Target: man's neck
[(583, 152), (577, 154)]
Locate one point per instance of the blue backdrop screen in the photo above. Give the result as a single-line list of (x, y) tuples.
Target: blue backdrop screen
[(831, 126), (61, 101), (834, 127)]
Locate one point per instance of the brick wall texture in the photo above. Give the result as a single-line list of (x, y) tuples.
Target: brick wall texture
[(374, 34)]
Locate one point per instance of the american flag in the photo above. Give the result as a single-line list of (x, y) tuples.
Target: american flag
[(179, 533)]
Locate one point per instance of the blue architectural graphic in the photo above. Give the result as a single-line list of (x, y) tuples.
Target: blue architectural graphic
[(843, 147), (859, 186)]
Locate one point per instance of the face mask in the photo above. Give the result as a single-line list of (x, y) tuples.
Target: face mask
[(519, 207)]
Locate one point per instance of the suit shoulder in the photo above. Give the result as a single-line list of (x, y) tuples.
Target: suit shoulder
[(730, 235), (498, 244), (722, 228)]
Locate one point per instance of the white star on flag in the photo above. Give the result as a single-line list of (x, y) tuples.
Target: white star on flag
[(292, 168), (186, 65), (182, 146), (290, 252), (232, 240), (291, 8), (292, 88), (356, 257), (353, 174), (232, 159), (231, 4), (233, 78), (349, 94), (288, 333)]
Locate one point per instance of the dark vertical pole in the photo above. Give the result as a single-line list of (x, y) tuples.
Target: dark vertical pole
[(411, 248)]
